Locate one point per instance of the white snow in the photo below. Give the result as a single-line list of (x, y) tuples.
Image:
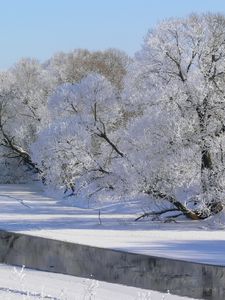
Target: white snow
[(27, 284), (26, 209)]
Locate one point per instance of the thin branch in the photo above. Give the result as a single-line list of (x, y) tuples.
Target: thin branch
[(155, 213)]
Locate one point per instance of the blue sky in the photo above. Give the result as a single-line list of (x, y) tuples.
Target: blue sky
[(40, 28)]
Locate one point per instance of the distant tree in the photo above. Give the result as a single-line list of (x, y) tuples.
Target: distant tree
[(72, 67)]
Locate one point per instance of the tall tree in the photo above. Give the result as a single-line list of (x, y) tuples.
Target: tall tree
[(178, 140)]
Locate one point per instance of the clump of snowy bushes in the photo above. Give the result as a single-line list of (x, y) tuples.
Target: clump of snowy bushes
[(102, 123)]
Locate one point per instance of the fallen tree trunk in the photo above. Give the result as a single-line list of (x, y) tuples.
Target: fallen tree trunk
[(213, 208)]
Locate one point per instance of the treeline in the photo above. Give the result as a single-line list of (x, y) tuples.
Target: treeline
[(100, 124)]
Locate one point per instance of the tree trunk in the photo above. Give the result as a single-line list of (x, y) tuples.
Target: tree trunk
[(208, 180)]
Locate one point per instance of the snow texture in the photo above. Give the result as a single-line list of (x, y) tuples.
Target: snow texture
[(18, 283), (25, 208)]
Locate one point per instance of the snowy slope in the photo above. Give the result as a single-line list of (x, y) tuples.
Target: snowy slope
[(26, 209), (18, 284)]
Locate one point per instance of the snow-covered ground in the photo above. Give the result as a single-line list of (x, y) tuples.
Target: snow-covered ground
[(25, 208), (19, 284)]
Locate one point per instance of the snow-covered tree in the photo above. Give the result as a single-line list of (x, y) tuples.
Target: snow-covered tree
[(76, 150), (24, 91), (176, 144), (25, 88), (158, 128)]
